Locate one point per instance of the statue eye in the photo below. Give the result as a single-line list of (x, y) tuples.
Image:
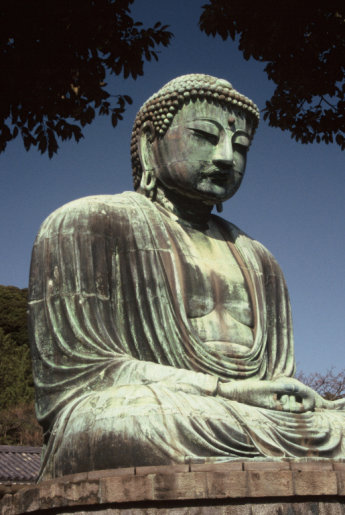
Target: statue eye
[(242, 140), (202, 134)]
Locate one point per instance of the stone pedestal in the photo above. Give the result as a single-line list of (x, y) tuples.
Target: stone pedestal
[(237, 487)]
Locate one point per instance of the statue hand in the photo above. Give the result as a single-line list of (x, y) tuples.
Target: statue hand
[(283, 394), (339, 404), (317, 402)]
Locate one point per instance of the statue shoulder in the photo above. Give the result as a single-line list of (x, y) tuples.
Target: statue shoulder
[(243, 241), (92, 213)]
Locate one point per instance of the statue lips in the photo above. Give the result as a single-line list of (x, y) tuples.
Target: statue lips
[(221, 175)]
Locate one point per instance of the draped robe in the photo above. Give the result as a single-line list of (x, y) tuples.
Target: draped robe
[(121, 377)]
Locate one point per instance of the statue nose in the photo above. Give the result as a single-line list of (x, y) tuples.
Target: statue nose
[(224, 154)]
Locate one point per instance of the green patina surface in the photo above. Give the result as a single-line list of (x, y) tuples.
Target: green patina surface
[(161, 333)]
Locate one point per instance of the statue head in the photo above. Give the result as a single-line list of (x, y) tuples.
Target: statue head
[(194, 122)]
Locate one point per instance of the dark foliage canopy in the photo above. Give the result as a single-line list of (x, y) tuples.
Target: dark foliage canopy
[(303, 44), (55, 57)]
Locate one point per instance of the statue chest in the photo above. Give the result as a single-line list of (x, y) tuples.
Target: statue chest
[(215, 292)]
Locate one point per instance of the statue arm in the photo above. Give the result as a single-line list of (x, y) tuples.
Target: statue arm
[(91, 327), (133, 371)]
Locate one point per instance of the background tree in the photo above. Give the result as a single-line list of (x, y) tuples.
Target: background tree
[(18, 424), (15, 373), (54, 59), (303, 44), (13, 313), (330, 384)]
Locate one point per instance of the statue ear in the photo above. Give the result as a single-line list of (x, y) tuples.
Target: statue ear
[(146, 137), (146, 155)]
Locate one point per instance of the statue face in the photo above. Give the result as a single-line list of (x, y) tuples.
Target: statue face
[(203, 153)]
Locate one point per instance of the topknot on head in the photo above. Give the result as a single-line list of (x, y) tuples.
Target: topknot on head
[(192, 81), (162, 106)]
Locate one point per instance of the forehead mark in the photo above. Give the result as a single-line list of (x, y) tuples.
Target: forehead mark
[(231, 120)]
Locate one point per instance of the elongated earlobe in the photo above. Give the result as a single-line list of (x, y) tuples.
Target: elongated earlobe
[(148, 178), (148, 183)]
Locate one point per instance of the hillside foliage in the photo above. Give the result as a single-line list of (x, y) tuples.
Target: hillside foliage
[(18, 424)]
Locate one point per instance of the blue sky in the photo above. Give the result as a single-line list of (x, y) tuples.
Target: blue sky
[(292, 198)]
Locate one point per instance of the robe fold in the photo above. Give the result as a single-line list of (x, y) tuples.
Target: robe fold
[(121, 377)]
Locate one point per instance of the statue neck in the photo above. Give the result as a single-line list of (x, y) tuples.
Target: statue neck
[(186, 209)]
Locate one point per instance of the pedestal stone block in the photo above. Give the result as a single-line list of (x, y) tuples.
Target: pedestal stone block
[(239, 488)]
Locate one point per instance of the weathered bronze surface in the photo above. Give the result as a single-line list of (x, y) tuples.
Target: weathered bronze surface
[(162, 333)]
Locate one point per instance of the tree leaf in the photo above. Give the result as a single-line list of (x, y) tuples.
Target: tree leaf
[(59, 73), (304, 56)]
